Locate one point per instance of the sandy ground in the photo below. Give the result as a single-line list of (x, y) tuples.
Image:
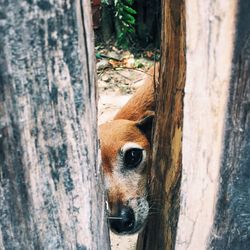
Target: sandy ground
[(115, 88), (123, 242)]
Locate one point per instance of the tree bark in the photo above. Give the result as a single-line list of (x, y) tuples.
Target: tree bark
[(107, 25), (51, 194), (148, 22), (160, 231)]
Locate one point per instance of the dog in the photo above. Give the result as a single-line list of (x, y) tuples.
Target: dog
[(125, 152)]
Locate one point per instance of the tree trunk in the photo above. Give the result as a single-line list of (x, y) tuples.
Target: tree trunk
[(107, 25), (213, 209), (148, 22), (51, 194)]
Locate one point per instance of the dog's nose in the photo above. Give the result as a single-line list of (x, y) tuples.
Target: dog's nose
[(123, 220)]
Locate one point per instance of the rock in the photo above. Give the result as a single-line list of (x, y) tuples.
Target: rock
[(105, 78), (114, 55), (103, 64)]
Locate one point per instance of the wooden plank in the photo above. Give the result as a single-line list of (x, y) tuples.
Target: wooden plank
[(210, 39), (165, 175), (231, 228), (214, 201), (51, 194)]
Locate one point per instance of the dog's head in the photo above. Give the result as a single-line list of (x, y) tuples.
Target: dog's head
[(125, 150)]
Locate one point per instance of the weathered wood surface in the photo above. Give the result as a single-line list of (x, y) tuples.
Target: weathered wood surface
[(209, 53), (51, 194), (231, 229), (214, 203), (160, 231)]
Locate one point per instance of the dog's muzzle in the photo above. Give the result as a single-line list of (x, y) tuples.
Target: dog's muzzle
[(123, 220), (129, 218)]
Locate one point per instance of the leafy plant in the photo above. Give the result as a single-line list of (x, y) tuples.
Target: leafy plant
[(105, 2), (125, 22)]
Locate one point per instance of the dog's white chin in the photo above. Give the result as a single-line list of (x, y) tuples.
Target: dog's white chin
[(141, 208)]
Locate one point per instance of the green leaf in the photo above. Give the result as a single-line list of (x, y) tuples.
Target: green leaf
[(120, 34), (129, 19), (131, 29), (130, 2), (129, 10), (126, 21), (105, 2), (125, 25)]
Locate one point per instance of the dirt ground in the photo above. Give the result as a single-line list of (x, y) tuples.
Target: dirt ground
[(115, 87)]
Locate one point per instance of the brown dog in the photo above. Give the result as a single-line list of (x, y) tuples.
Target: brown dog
[(125, 151)]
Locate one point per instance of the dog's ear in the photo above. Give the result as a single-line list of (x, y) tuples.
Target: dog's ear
[(146, 124)]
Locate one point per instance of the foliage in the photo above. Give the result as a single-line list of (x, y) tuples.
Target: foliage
[(105, 2), (124, 14), (124, 21)]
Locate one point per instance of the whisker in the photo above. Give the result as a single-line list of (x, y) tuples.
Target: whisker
[(155, 203), (158, 206), (153, 213), (155, 200), (154, 209), (152, 195), (114, 218)]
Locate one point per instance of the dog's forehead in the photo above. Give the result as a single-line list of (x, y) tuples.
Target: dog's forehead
[(119, 132), (113, 136)]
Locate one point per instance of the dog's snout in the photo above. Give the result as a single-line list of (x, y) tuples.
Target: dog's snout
[(123, 220)]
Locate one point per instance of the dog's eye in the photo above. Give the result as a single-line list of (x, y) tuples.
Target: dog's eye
[(132, 157)]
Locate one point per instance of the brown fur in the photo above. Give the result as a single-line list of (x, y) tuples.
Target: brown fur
[(122, 131), (143, 99), (128, 187)]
